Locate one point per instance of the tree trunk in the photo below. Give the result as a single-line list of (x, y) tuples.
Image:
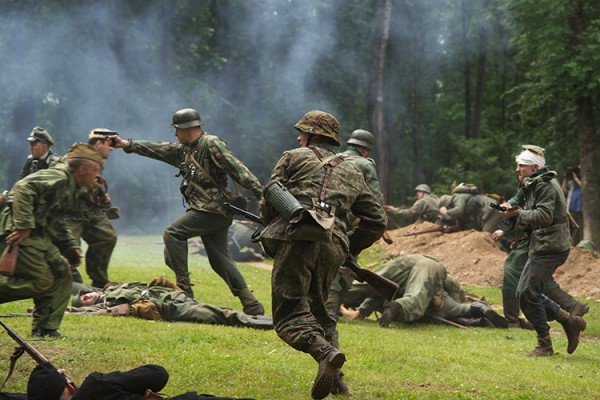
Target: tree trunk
[(588, 144), (481, 60), (375, 106), (467, 66)]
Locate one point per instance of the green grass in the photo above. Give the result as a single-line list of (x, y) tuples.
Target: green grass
[(402, 362)]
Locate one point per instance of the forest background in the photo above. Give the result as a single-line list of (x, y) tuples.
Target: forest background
[(450, 88)]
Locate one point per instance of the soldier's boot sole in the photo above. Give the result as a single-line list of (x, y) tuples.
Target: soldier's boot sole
[(327, 376), (573, 326)]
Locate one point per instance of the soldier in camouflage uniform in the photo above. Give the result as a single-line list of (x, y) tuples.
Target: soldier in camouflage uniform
[(204, 161), (515, 262), (160, 303), (309, 248), (360, 144), (425, 289), (425, 208), (89, 221), (41, 156), (35, 221)]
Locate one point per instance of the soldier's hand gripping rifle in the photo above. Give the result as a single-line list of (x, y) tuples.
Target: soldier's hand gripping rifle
[(34, 353), (505, 224), (383, 285)]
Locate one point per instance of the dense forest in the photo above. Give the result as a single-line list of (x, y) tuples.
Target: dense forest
[(450, 88)]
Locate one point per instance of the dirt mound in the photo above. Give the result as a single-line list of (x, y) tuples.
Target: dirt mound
[(475, 260)]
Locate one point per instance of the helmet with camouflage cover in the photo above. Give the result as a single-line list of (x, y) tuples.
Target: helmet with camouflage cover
[(320, 123), (186, 118), (423, 188), (363, 138)]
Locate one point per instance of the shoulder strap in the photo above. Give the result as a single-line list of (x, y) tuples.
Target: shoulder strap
[(304, 174)]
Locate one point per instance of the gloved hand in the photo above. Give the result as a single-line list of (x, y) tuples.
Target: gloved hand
[(391, 311)]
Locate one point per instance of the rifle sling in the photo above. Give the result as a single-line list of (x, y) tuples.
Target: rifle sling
[(13, 360)]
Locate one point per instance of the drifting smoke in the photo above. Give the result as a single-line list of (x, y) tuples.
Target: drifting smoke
[(74, 66)]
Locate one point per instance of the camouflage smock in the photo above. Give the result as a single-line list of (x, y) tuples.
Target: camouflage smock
[(212, 153), (346, 190)]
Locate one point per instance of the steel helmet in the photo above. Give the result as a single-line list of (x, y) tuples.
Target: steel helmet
[(362, 138), (186, 118), (320, 123), (423, 188)]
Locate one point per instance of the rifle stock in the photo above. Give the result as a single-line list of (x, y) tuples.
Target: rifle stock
[(380, 283), (383, 285), (8, 260), (33, 353)]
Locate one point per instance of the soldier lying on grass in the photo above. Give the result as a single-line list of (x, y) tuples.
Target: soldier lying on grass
[(161, 300)]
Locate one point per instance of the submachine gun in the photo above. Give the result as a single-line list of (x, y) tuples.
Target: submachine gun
[(25, 347), (382, 284)]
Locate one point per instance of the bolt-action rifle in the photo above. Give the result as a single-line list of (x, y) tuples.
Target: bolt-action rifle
[(435, 228), (33, 352), (380, 283)]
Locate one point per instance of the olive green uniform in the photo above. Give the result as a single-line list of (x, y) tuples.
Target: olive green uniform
[(303, 268), (366, 166), (420, 278), (170, 305), (40, 202), (88, 221), (472, 211), (424, 209), (206, 216)]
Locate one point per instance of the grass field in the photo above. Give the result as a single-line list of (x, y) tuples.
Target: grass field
[(402, 362)]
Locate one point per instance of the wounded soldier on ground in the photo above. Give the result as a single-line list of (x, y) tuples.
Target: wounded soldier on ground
[(159, 301), (426, 290)]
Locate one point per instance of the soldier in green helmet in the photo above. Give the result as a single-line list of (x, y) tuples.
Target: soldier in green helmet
[(425, 208), (35, 221), (205, 162), (309, 247)]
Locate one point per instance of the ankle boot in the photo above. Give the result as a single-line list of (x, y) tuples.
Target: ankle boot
[(329, 373), (544, 347), (483, 310), (567, 302), (184, 283), (510, 305), (251, 305), (573, 326)]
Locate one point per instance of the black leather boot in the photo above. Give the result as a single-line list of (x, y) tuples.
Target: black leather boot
[(567, 302)]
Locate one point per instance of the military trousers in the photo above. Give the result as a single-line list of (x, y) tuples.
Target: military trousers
[(101, 238), (300, 281), (212, 229), (513, 267), (182, 308), (536, 306), (40, 274)]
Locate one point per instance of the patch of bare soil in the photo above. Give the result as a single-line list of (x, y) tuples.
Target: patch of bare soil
[(474, 258)]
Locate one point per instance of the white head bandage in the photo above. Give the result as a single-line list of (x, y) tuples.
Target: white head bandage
[(530, 158)]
